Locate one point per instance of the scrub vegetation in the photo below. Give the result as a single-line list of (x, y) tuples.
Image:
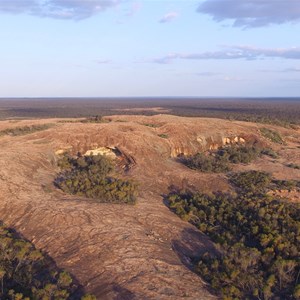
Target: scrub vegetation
[(26, 273), (272, 135), (221, 160), (89, 176), (17, 131), (257, 238)]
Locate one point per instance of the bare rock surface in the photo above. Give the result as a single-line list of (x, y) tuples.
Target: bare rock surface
[(117, 251)]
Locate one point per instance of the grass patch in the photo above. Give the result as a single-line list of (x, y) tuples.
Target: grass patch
[(18, 131), (271, 135)]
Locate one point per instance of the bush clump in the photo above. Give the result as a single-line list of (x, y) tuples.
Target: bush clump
[(89, 176), (285, 184), (294, 166), (251, 182), (206, 163), (219, 161), (256, 236), (26, 273)]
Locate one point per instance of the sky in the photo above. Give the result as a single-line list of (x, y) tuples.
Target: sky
[(124, 48)]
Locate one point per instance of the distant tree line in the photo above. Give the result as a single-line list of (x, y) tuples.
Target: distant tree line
[(25, 129), (89, 176), (257, 238)]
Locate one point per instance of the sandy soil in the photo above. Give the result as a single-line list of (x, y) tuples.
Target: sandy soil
[(122, 252)]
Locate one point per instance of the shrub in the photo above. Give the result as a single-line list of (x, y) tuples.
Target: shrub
[(293, 166), (151, 125), (269, 152)]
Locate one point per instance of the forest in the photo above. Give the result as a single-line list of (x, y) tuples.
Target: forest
[(26, 273), (90, 176), (256, 236)]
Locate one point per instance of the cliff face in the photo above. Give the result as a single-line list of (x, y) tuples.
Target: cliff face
[(203, 143)]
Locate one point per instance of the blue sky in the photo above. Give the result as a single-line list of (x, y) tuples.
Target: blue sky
[(100, 48)]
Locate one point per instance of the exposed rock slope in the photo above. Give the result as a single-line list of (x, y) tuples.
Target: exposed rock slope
[(118, 252)]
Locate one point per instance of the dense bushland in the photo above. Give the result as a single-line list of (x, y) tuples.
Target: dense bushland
[(25, 273), (257, 239), (285, 185), (25, 129), (89, 176), (220, 160), (269, 111)]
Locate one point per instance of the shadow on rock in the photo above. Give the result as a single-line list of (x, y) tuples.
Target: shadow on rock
[(122, 293)]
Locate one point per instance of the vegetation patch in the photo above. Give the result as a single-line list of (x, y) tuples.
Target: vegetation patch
[(294, 166), (163, 135), (151, 125), (285, 184), (269, 152), (89, 176), (95, 119), (256, 236), (251, 182), (271, 135), (220, 160), (25, 273), (17, 131)]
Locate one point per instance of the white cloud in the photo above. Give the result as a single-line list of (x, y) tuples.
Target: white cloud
[(169, 17), (234, 52), (60, 9), (17, 6), (252, 13)]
